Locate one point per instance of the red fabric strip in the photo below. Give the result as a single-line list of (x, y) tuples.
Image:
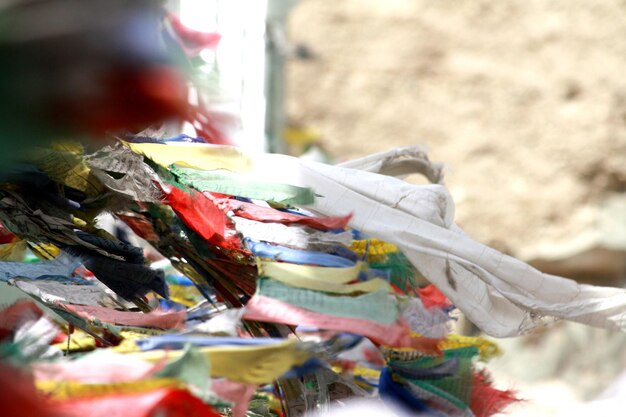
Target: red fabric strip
[(235, 392), (432, 297), (198, 213), (485, 399), (13, 316), (18, 395), (201, 215), (193, 41), (267, 214), (141, 226), (5, 235), (161, 402), (268, 309), (158, 319)]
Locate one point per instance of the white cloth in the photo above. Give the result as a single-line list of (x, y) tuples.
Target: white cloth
[(295, 236), (500, 294)]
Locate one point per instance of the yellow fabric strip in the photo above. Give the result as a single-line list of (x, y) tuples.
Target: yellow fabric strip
[(284, 272), (376, 258), (252, 364), (359, 371), (319, 278), (186, 295), (486, 348), (45, 250), (65, 164), (199, 156), (79, 342), (373, 285), (376, 247), (129, 336), (62, 390), (399, 353), (13, 251)]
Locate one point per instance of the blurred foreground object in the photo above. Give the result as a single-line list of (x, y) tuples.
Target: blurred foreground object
[(83, 67)]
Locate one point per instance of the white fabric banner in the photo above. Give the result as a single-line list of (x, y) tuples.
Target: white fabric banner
[(500, 294)]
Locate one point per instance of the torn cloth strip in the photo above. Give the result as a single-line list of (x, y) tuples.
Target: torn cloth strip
[(13, 252), (198, 213), (486, 400), (399, 395), (236, 392), (101, 366), (62, 266), (283, 271), (457, 386), (192, 41), (320, 278), (447, 368), (51, 292), (164, 401), (128, 280), (140, 225), (70, 390), (65, 165), (282, 253), (134, 179), (268, 214), (259, 364), (440, 400), (262, 308), (28, 221), (199, 156), (433, 322), (243, 187), (179, 341), (378, 306), (294, 236), (128, 252), (158, 319)]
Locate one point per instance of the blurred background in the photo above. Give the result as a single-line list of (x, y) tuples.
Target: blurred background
[(525, 103)]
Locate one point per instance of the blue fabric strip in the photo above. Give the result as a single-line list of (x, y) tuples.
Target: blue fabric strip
[(178, 341), (282, 253), (169, 305), (181, 280), (184, 138), (394, 393), (309, 366), (58, 269)]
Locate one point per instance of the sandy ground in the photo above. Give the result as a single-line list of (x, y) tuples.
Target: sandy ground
[(524, 100)]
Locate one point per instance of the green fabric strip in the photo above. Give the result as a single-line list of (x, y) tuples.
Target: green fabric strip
[(425, 385), (284, 194), (460, 385), (377, 306), (402, 273), (466, 352)]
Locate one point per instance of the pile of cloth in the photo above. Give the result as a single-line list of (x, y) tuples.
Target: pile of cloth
[(256, 304)]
